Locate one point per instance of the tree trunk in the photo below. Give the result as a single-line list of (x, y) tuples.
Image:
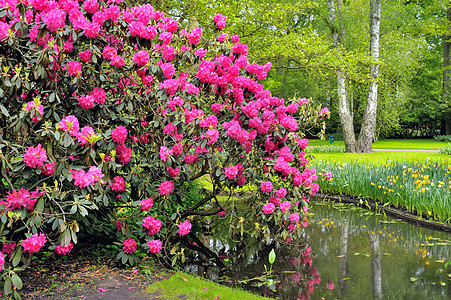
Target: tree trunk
[(368, 129), (344, 112), (376, 266), (446, 84)]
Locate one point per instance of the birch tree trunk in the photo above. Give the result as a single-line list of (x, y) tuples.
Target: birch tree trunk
[(343, 102), (368, 129)]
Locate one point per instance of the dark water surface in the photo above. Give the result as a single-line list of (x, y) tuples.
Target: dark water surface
[(348, 253)]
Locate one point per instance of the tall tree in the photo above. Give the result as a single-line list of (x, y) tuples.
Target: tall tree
[(446, 129), (368, 128), (346, 119)]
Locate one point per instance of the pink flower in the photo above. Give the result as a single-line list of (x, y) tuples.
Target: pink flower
[(330, 285), (194, 36), (201, 52), (91, 6), (165, 153), (223, 37), (129, 246), (86, 101), (231, 172), (221, 214), (303, 143), (152, 225), (285, 206), (166, 187), (99, 95), (35, 157), (119, 135), (34, 243), (48, 169), (184, 227), (154, 246), (216, 107), (146, 204), (2, 260), (266, 187), (173, 172), (294, 218), (74, 68), (109, 52), (268, 208), (141, 58), (102, 290), (70, 125), (118, 184), (328, 175), (64, 250), (55, 19), (324, 112), (282, 192), (91, 30), (220, 20), (8, 248), (235, 38), (85, 135), (85, 56), (21, 198)]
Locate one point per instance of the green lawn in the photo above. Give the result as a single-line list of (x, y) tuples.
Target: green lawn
[(381, 157), (192, 287), (391, 144)]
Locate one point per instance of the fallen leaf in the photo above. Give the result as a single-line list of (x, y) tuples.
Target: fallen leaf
[(184, 279)]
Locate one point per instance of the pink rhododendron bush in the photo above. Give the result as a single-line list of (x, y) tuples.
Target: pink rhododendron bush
[(109, 112)]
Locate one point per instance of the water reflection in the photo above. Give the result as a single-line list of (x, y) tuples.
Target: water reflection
[(347, 253)]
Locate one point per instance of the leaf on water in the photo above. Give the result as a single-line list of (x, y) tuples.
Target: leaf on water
[(413, 279), (387, 253), (357, 253), (341, 255), (347, 278)]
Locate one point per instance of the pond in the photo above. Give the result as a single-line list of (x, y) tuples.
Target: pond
[(348, 253)]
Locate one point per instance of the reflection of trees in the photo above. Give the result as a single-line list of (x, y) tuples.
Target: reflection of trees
[(377, 268), (343, 265)]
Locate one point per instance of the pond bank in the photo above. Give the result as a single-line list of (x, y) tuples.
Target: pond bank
[(388, 209)]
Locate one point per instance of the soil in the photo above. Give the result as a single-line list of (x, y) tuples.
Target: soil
[(93, 279)]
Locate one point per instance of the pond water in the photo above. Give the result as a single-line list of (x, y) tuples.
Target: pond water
[(348, 253)]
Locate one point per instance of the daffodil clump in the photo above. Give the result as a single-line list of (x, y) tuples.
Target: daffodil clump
[(423, 188)]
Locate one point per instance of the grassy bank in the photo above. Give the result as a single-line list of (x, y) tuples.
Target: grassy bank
[(392, 144), (182, 284), (420, 186)]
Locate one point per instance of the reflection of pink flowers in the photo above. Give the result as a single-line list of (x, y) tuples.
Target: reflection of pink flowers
[(330, 285), (268, 208), (154, 246), (64, 250), (184, 227), (34, 157), (129, 246), (34, 243)]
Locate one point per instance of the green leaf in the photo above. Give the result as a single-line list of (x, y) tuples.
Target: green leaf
[(39, 206), (272, 256), (4, 110), (17, 282), (17, 257), (7, 285)]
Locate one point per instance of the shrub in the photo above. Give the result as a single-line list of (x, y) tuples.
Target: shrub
[(446, 149), (443, 138), (104, 109)]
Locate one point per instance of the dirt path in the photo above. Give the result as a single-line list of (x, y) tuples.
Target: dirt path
[(91, 280)]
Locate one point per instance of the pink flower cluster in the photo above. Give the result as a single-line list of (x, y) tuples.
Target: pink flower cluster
[(21, 198), (154, 246), (8, 248), (35, 157), (266, 187), (38, 111), (146, 204), (74, 68), (119, 135), (70, 125), (118, 184), (130, 246), (328, 175), (34, 243), (152, 225), (166, 187), (83, 179), (268, 208), (220, 20), (2, 260), (64, 250), (184, 227)]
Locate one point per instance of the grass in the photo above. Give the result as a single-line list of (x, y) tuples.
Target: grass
[(422, 187), (391, 144), (194, 287), (380, 157)]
